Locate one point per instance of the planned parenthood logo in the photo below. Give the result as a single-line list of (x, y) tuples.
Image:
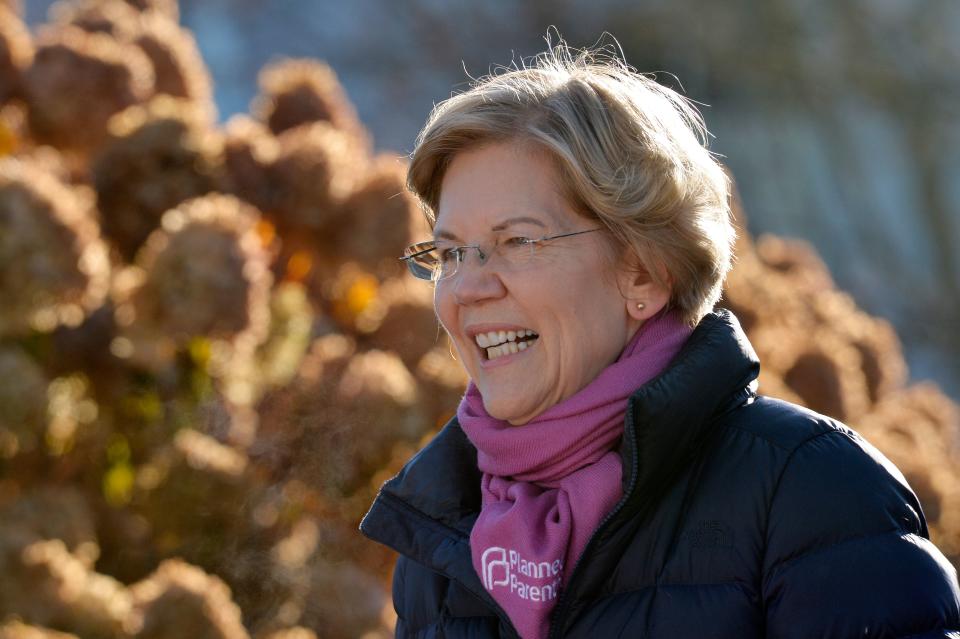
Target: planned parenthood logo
[(529, 580)]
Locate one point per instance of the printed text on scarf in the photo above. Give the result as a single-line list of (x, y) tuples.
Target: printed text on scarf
[(503, 567)]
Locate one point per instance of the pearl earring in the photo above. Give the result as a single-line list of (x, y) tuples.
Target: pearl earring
[(641, 305)]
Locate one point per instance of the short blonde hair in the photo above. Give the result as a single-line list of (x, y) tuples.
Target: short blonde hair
[(630, 153)]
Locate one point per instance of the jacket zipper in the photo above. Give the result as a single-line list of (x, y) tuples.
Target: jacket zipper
[(559, 613)]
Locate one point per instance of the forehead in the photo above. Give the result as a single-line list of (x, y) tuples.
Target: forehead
[(487, 187)]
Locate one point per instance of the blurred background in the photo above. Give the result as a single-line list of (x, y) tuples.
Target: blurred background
[(215, 360), (840, 120)]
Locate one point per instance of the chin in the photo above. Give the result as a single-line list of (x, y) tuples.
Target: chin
[(502, 408)]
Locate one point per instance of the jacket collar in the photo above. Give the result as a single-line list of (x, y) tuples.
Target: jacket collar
[(428, 509)]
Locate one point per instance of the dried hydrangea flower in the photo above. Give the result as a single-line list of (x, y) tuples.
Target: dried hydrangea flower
[(179, 68), (295, 92), (15, 629), (338, 421), (16, 53), (204, 273), (169, 8), (48, 512), (53, 264), (180, 600), (23, 402), (15, 6), (158, 156), (379, 219), (344, 601), (316, 168), (78, 81), (287, 633), (112, 17), (407, 324), (57, 589), (250, 149)]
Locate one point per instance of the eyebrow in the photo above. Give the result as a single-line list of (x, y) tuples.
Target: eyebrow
[(447, 235)]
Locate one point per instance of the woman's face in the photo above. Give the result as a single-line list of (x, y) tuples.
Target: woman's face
[(567, 294)]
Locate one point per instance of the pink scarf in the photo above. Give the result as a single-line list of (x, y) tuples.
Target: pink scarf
[(547, 484)]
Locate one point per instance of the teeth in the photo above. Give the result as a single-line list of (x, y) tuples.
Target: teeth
[(508, 348), (494, 338)]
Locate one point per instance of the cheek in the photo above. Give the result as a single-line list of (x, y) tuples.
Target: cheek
[(445, 310)]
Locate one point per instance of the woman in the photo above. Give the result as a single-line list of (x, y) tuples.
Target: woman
[(611, 471)]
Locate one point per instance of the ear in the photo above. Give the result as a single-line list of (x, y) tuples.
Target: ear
[(643, 296)]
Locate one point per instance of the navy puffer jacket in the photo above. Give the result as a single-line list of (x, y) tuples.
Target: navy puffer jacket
[(742, 516)]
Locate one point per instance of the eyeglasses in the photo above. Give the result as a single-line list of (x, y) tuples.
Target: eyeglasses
[(438, 260)]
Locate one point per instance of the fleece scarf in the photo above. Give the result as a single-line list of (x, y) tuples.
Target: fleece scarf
[(547, 484)]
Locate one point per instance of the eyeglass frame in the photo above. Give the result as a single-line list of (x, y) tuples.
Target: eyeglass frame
[(411, 264)]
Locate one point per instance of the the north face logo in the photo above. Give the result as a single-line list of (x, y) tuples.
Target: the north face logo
[(502, 567), (709, 534)]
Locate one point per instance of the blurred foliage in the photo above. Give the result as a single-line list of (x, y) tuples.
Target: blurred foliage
[(213, 358)]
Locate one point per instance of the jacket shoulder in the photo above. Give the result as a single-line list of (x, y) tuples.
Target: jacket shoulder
[(841, 520), (781, 424)]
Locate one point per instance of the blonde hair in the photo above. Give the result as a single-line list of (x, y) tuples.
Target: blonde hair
[(630, 153)]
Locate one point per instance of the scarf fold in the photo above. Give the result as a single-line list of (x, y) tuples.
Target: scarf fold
[(547, 484)]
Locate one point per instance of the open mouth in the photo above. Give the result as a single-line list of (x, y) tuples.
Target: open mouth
[(496, 344)]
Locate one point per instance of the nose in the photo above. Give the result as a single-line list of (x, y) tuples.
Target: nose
[(476, 282)]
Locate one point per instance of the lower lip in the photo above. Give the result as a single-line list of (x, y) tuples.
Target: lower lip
[(505, 359)]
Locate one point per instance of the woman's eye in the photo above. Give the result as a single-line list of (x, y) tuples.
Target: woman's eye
[(517, 241), (449, 254)]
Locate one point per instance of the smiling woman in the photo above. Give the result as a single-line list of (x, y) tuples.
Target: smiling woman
[(481, 190), (611, 431)]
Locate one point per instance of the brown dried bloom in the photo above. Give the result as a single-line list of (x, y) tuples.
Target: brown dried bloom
[(192, 492), (179, 68), (15, 6), (249, 151), (169, 8), (316, 168), (291, 322), (23, 403), (53, 264), (287, 633), (881, 355), (798, 260), (57, 589), (337, 423), (824, 370), (112, 17), (295, 92), (16, 53), (443, 382), (42, 512), (408, 324), (159, 155), (344, 602), (760, 295), (380, 219), (18, 630), (78, 81), (203, 273), (179, 600)]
